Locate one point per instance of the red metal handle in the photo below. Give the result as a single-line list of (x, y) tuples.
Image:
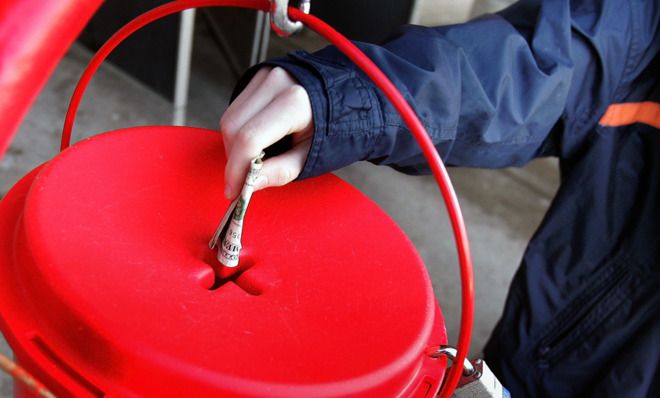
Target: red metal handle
[(379, 78)]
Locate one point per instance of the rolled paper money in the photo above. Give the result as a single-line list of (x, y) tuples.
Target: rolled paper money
[(230, 228), (222, 226)]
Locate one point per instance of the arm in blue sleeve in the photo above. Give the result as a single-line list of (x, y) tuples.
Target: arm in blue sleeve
[(494, 92)]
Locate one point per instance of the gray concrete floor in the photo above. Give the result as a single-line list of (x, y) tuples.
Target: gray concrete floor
[(502, 208)]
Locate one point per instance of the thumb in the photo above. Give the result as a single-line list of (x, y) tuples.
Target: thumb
[(284, 168)]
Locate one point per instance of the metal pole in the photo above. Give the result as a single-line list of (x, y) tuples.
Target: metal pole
[(265, 36), (257, 38), (183, 67)]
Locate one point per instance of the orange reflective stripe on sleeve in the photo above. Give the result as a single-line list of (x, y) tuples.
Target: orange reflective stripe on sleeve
[(633, 112)]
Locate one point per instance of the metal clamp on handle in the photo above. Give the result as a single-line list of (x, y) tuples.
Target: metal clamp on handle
[(450, 352), (279, 17), (476, 381)]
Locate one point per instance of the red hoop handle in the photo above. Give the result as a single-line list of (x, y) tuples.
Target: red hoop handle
[(380, 80)]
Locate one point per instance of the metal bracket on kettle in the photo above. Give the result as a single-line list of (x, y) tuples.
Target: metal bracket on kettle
[(451, 353), (279, 17)]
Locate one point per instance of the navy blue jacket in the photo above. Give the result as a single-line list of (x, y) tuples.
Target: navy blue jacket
[(582, 316)]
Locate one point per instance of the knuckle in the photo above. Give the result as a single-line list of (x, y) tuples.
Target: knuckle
[(273, 79), (227, 124), (245, 138), (277, 78), (278, 74), (297, 93)]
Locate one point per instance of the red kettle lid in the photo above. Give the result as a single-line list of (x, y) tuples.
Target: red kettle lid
[(107, 246)]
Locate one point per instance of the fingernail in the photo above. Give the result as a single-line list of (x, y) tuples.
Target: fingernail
[(260, 182), (227, 192)]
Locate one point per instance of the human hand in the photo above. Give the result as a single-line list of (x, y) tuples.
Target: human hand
[(272, 106)]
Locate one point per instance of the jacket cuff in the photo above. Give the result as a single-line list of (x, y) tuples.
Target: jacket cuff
[(345, 108)]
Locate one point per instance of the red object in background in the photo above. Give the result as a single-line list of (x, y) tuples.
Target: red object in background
[(34, 35), (105, 278)]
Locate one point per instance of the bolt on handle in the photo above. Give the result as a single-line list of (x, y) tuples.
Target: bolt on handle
[(279, 17), (451, 353)]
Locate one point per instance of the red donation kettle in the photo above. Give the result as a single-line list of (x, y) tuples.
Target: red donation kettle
[(108, 289)]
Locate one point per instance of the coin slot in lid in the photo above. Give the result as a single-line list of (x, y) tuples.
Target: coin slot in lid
[(241, 278)]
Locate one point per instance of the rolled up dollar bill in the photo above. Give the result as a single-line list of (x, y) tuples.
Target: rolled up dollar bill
[(230, 229)]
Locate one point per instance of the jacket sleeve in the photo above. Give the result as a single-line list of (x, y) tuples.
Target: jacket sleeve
[(494, 92)]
